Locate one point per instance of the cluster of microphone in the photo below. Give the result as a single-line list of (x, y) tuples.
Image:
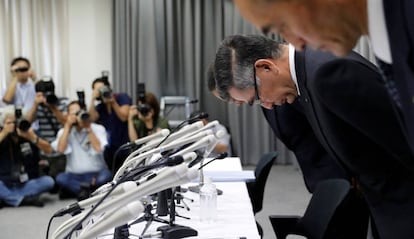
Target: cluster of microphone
[(163, 160)]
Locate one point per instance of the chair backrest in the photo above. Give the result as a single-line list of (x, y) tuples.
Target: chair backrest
[(256, 188), (326, 198)]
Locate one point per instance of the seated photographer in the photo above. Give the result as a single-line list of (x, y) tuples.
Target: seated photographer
[(144, 119), (48, 111), (83, 142), (112, 113), (20, 183)]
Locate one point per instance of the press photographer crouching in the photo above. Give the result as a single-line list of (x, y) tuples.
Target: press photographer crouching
[(112, 112), (83, 143), (20, 183), (144, 118), (48, 115)]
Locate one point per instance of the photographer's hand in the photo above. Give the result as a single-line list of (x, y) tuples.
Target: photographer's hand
[(133, 111)]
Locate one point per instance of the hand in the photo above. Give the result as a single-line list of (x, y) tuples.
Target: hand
[(29, 134), (32, 74), (133, 111), (71, 120), (8, 128)]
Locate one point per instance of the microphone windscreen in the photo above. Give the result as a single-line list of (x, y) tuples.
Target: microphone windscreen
[(175, 160)]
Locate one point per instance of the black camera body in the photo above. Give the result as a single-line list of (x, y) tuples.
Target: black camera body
[(105, 92), (144, 109), (21, 123), (47, 87)]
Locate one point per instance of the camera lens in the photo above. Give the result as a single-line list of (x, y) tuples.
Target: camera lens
[(51, 98), (144, 109), (24, 125), (83, 115)]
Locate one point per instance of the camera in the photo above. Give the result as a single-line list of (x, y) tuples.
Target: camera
[(22, 69), (81, 98), (105, 92), (144, 109), (47, 87), (83, 115), (22, 124)]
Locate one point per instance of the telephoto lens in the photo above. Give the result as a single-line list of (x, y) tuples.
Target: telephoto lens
[(22, 124)]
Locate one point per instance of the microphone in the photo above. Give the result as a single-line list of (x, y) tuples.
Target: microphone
[(136, 173), (204, 142), (122, 188), (108, 221), (161, 133), (132, 162), (166, 178), (188, 129), (199, 116), (74, 208)]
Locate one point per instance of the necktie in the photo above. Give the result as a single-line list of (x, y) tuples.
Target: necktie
[(388, 76)]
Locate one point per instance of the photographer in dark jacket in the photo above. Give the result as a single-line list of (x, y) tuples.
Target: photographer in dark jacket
[(20, 183), (111, 112)]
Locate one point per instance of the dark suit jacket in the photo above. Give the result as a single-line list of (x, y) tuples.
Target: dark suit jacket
[(354, 118), (290, 125), (400, 27)]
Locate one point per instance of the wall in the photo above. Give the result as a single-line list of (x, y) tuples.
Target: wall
[(90, 44)]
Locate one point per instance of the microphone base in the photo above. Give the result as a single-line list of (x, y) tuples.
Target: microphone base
[(176, 231), (196, 189)]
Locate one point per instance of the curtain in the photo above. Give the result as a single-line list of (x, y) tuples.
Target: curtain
[(168, 45), (35, 30)]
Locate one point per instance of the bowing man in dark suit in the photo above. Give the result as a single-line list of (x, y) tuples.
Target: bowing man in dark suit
[(290, 125), (348, 108), (337, 26)]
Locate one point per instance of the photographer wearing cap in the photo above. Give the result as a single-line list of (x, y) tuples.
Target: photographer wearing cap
[(20, 183), (83, 143), (144, 118), (112, 112), (21, 90)]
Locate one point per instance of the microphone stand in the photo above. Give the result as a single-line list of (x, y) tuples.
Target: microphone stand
[(196, 189)]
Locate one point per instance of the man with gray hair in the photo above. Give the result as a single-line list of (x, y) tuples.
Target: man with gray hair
[(20, 183), (348, 108)]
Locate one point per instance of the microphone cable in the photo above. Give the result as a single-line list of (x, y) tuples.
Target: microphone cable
[(221, 156)]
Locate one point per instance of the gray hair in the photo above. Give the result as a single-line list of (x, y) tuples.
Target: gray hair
[(235, 59)]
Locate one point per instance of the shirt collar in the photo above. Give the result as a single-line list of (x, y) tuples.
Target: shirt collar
[(378, 30), (292, 66)]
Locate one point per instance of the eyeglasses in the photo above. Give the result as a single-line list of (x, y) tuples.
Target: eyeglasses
[(257, 100)]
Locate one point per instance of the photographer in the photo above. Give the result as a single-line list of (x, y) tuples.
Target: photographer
[(144, 118), (48, 113), (21, 90), (83, 143), (20, 183), (112, 113)]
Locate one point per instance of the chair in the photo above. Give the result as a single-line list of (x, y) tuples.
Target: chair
[(329, 199), (261, 172), (257, 187), (176, 108)]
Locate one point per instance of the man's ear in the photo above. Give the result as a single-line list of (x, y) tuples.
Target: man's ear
[(265, 65)]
